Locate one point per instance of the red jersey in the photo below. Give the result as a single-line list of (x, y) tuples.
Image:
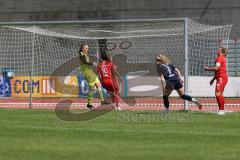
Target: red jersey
[(105, 70), (221, 72)]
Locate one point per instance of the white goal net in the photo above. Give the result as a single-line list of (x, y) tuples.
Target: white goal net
[(51, 49)]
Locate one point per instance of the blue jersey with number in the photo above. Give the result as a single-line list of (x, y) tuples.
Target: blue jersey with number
[(168, 71)]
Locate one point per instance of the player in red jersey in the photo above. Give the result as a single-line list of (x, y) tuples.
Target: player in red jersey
[(110, 78), (221, 77)]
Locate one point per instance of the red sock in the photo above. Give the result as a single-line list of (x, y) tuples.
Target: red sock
[(221, 102), (116, 98)]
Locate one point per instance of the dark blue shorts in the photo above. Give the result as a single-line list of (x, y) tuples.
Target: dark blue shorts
[(175, 84)]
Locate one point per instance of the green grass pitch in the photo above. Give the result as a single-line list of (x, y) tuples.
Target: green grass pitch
[(30, 134)]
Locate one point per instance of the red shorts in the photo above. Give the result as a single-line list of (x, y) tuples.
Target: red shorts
[(221, 83), (112, 87)]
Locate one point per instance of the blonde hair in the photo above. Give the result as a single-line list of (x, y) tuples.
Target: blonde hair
[(224, 51), (164, 59)]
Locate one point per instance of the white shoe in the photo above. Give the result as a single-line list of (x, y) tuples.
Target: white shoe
[(115, 107), (197, 103), (118, 108), (167, 110), (221, 113)]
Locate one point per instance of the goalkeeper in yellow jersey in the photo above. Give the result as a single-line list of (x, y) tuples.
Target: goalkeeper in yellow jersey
[(89, 75)]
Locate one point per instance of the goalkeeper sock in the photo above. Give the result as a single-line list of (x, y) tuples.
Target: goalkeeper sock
[(100, 94), (166, 101), (221, 102), (186, 97), (90, 95)]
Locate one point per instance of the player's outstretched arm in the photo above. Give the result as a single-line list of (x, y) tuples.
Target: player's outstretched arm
[(212, 80), (179, 74), (114, 71), (215, 68), (163, 83)]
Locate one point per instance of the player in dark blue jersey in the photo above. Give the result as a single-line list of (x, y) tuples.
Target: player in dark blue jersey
[(171, 80)]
